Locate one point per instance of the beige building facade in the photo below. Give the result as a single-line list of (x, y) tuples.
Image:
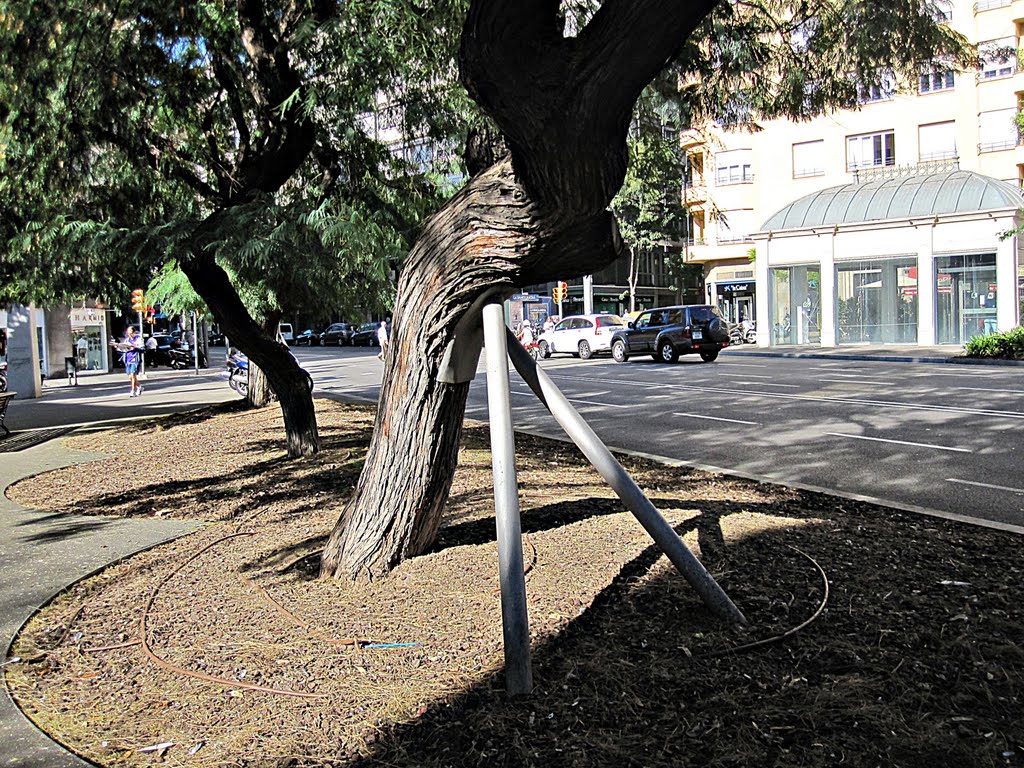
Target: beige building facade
[(739, 180)]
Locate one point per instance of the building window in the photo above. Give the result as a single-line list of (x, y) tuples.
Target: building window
[(965, 297), (734, 167), (870, 150), (936, 80), (998, 58), (880, 91), (795, 304), (942, 11), (936, 141), (735, 226), (876, 301), (997, 130), (988, 5), (809, 159)]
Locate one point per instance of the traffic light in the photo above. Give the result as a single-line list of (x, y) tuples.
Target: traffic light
[(138, 300), (560, 292)]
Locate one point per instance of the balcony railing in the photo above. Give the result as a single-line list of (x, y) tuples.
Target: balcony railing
[(997, 145), (988, 5)]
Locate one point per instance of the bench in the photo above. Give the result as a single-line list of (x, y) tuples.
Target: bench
[(5, 398)]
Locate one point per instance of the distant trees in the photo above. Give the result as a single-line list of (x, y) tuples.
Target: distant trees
[(218, 135)]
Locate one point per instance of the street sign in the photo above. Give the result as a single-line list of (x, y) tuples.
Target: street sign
[(525, 297)]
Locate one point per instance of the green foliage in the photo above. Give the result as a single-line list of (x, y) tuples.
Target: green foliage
[(1008, 345), (649, 206), (124, 126), (783, 58)]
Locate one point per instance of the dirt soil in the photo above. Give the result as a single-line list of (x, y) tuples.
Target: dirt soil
[(224, 649)]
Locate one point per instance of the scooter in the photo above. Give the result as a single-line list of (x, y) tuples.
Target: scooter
[(238, 374), (181, 357)]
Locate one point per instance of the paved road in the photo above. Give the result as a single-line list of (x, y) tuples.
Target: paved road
[(945, 438)]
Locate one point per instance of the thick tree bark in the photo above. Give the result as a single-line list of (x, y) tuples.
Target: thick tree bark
[(563, 106), (472, 247)]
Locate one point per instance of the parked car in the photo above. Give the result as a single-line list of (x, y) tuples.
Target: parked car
[(668, 332), (308, 338), (581, 335), (365, 335), (285, 333), (337, 333)]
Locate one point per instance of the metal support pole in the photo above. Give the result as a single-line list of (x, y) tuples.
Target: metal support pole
[(514, 620), (195, 343), (142, 366), (616, 476)]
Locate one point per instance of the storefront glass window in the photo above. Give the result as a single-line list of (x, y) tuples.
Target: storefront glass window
[(876, 302), (796, 305), (965, 299)]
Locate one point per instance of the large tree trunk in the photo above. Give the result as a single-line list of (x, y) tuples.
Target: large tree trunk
[(286, 377), (474, 246), (563, 106)]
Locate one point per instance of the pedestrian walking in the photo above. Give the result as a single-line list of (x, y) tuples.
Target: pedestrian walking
[(382, 339), (131, 352)]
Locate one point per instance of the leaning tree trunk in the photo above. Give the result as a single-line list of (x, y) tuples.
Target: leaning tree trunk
[(286, 377), (563, 106), (472, 247)]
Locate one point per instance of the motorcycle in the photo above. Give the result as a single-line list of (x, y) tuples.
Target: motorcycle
[(237, 365), (181, 357), (3, 376), (740, 335)]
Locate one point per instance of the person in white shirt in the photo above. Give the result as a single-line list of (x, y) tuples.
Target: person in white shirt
[(526, 339), (382, 339)]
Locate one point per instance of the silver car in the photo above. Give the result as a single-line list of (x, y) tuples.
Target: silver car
[(581, 335)]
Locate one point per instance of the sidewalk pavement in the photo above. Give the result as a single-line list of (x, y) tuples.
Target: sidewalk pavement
[(41, 553), (891, 353)]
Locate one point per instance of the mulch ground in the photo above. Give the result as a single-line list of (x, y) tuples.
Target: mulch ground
[(224, 649)]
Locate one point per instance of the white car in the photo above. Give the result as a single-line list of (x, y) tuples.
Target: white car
[(581, 335)]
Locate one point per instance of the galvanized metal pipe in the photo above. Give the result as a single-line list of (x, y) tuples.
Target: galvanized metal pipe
[(514, 620), (615, 475)]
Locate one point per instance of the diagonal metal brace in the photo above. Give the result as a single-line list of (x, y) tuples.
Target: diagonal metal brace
[(628, 491)]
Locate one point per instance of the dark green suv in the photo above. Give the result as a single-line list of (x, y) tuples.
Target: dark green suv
[(668, 332)]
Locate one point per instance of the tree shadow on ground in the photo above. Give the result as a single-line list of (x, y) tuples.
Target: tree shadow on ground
[(44, 529), (886, 676)]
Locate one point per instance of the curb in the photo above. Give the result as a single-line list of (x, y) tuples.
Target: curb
[(955, 360)]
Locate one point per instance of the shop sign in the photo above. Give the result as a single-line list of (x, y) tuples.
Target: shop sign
[(525, 297), (734, 287), (86, 316)]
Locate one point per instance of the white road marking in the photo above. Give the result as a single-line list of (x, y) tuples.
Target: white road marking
[(901, 442), (820, 399), (756, 376), (985, 485), (574, 400), (715, 418), (977, 374), (993, 389), (744, 365), (852, 381)]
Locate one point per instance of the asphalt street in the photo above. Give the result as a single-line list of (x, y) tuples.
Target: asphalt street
[(922, 436)]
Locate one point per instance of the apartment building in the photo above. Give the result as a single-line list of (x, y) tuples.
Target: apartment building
[(883, 224)]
